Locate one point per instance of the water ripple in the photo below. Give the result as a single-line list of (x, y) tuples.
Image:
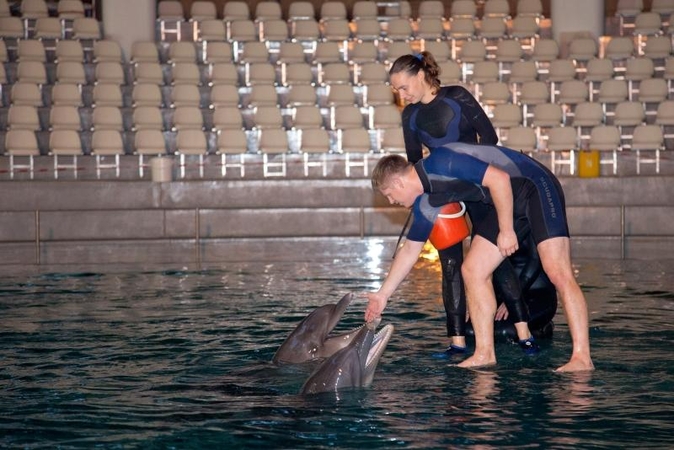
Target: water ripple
[(181, 359)]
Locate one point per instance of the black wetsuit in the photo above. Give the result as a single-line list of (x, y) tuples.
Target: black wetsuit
[(521, 276), (454, 115)]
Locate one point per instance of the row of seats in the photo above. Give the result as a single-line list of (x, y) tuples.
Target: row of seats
[(632, 8), (233, 145), (50, 28), (608, 107), (505, 116), (274, 144), (581, 49), (520, 87), (648, 23), (488, 78), (596, 70), (222, 95), (191, 73), (563, 142), (585, 114), (291, 66), (364, 29), (608, 93), (334, 10), (489, 92), (231, 140), (619, 47), (629, 12), (61, 50), (34, 9), (397, 29), (216, 52), (262, 116)]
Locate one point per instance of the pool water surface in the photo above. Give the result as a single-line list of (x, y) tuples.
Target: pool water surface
[(181, 359)]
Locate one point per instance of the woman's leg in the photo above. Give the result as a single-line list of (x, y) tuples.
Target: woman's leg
[(453, 294)]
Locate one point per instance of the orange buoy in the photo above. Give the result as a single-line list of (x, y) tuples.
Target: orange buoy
[(450, 227)]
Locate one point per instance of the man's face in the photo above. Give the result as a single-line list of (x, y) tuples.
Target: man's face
[(397, 193), (410, 88)]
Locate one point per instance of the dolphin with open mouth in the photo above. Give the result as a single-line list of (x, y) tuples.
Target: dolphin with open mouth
[(354, 365), (311, 339)]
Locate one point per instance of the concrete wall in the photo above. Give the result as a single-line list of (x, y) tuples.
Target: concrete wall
[(88, 222)]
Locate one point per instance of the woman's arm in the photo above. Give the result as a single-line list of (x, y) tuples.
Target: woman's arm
[(413, 147)]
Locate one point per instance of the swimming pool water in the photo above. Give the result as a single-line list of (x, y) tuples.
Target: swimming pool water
[(180, 360)]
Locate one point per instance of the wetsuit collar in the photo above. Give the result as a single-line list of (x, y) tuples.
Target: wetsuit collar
[(423, 176)]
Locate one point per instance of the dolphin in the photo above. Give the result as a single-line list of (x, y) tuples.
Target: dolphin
[(310, 340), (354, 365)]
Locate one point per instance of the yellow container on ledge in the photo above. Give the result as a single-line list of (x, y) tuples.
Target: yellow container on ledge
[(588, 164)]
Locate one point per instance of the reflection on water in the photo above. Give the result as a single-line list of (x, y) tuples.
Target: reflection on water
[(181, 360)]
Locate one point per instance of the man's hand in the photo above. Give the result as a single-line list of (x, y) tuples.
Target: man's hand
[(501, 312), (376, 304), (507, 243)]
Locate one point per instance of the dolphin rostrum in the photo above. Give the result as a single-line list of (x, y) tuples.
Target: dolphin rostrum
[(352, 366), (310, 340)]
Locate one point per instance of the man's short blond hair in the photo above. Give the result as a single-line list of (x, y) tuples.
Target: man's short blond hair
[(387, 167)]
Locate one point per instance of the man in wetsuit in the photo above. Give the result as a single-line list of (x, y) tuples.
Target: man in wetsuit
[(535, 196)]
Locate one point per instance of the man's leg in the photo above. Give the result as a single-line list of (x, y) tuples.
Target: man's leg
[(555, 256), (481, 260)]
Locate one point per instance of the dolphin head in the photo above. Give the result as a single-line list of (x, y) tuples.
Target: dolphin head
[(310, 341), (352, 366)]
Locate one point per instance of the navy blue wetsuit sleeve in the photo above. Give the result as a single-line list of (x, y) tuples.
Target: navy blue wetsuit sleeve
[(423, 218), (413, 146)]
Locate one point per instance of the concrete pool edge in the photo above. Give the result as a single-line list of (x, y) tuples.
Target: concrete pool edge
[(60, 223)]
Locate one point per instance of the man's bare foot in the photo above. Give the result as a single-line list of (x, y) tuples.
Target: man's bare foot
[(478, 361), (577, 364)]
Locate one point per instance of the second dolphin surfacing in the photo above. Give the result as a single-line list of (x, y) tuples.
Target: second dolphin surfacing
[(349, 360), (354, 365)]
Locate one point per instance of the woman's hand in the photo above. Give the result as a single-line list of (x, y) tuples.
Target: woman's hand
[(375, 307)]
